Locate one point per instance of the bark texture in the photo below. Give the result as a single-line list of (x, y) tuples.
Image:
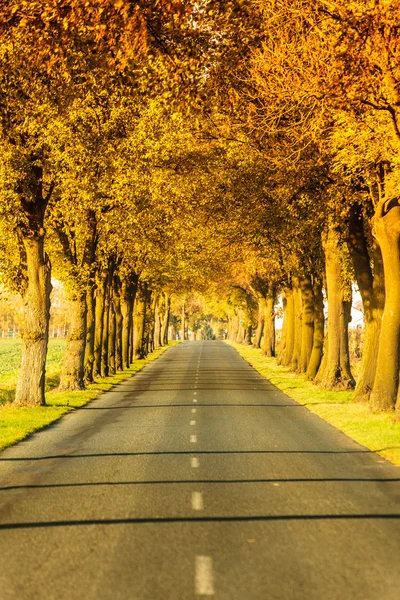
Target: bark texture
[(165, 319), (36, 300), (35, 293), (260, 321), (139, 318), (335, 371), (307, 323), (90, 329), (72, 373), (318, 332), (371, 285), (385, 393), (268, 342)]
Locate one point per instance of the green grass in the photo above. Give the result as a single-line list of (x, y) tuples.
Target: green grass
[(10, 356), (17, 423), (377, 431)]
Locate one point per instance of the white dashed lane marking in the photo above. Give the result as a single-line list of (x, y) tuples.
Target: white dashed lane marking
[(193, 439), (197, 501), (204, 576), (193, 422), (194, 461)]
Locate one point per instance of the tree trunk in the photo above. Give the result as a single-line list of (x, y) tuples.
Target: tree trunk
[(139, 320), (371, 286), (260, 321), (290, 324), (35, 336), (234, 329), (247, 335), (240, 335), (318, 333), (298, 322), (36, 290), (307, 324), (385, 392), (118, 323), (105, 340), (99, 322), (157, 326), (112, 342), (183, 319), (90, 333), (282, 347), (72, 373), (268, 343), (337, 374), (165, 319), (129, 289)]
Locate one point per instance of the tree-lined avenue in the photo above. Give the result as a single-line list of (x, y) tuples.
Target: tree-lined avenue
[(197, 478)]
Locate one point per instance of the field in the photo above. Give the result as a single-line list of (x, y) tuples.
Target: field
[(10, 356), (17, 423)]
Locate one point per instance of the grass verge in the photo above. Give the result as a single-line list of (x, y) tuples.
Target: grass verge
[(17, 423), (376, 431)]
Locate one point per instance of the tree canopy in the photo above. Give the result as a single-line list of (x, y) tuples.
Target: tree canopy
[(245, 150)]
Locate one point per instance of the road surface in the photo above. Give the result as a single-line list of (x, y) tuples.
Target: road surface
[(197, 478)]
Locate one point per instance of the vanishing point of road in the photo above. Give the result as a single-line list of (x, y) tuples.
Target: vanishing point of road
[(197, 478)]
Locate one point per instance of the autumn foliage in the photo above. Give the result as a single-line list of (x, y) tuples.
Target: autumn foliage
[(246, 150)]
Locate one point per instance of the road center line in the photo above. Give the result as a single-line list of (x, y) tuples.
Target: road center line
[(197, 501), (194, 400), (194, 461), (193, 439), (194, 410), (204, 577), (194, 393), (193, 422)]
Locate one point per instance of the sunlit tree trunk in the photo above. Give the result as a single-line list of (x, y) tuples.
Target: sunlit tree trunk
[(35, 294), (268, 343), (90, 333), (248, 332), (183, 320), (385, 392), (72, 373), (234, 328), (336, 373), (101, 289), (36, 300), (106, 330), (165, 319), (282, 347), (112, 343), (307, 324), (157, 326), (371, 285), (290, 325), (118, 322), (128, 294), (298, 323), (318, 331), (260, 321), (139, 319)]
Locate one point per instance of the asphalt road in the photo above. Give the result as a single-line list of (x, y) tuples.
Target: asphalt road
[(197, 478)]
